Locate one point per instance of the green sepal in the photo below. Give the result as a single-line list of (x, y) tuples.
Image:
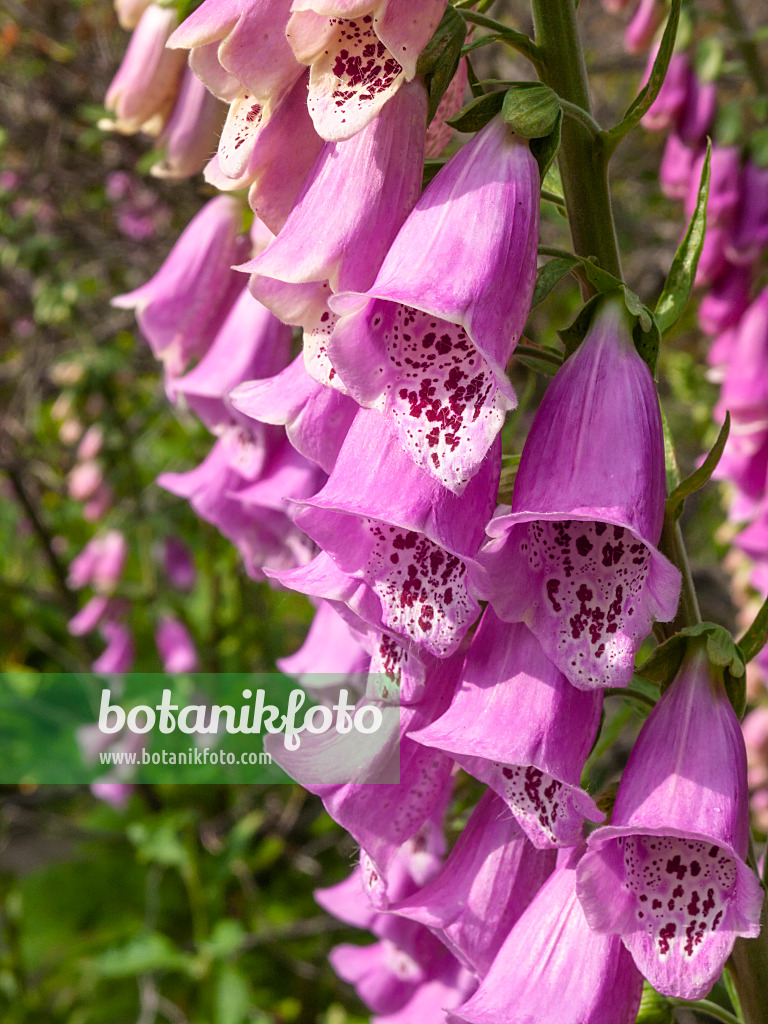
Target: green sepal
[(677, 287), (654, 1007), (478, 112), (644, 99), (645, 334), (722, 650), (531, 109), (549, 274), (431, 168), (440, 58), (700, 476), (545, 149), (573, 335)]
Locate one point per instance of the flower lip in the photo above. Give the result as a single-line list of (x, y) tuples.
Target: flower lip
[(598, 839)]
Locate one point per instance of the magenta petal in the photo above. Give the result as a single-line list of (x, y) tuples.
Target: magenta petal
[(427, 344), (750, 228), (182, 307), (668, 874), (191, 131), (331, 648), (352, 74), (371, 182), (581, 537), (317, 418), (384, 976), (517, 724), (251, 343), (553, 969), (385, 522), (490, 877)]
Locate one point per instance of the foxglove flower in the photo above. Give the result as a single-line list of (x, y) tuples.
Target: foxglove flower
[(518, 725), (668, 875), (639, 34), (745, 387), (553, 969), (129, 12), (317, 418), (84, 480), (181, 309), (332, 655), (143, 90), (251, 343), (120, 652), (259, 525), (580, 539), (490, 877), (282, 154), (726, 300), (360, 55), (191, 131), (371, 182), (427, 344), (396, 530), (179, 564), (253, 68), (676, 167), (175, 646), (665, 109), (100, 564), (750, 229), (115, 793), (698, 114), (379, 813)]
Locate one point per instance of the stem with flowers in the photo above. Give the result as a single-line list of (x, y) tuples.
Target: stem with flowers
[(583, 164)]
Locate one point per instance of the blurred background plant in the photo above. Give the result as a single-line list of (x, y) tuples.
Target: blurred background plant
[(191, 903)]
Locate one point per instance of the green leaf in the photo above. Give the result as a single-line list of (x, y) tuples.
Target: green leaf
[(700, 476), (642, 102), (545, 149), (553, 183), (439, 60), (478, 112), (670, 458), (548, 275), (710, 54), (141, 955), (531, 109), (754, 639), (233, 996), (728, 129), (648, 343), (662, 666), (677, 288)]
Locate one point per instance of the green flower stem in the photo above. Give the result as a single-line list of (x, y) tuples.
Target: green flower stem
[(583, 164), (673, 546), (584, 170), (710, 1009), (517, 40), (630, 694)]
